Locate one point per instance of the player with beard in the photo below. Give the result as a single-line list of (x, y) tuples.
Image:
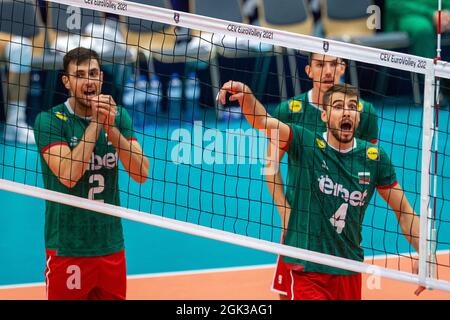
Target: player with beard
[(80, 142), (335, 177), (305, 110)]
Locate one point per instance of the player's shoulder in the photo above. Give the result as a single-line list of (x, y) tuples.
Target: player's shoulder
[(300, 133), (366, 106), (57, 112), (292, 105), (370, 151), (122, 113), (300, 97)]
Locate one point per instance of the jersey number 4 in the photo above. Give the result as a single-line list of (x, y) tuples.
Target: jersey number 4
[(338, 219)]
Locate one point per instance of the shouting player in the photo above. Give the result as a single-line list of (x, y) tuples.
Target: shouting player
[(305, 110), (335, 177), (80, 142)]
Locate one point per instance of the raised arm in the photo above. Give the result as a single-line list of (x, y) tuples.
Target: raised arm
[(131, 155), (130, 152), (276, 185), (254, 112), (277, 131), (70, 165)]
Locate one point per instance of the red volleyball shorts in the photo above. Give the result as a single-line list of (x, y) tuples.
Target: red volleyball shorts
[(86, 278)]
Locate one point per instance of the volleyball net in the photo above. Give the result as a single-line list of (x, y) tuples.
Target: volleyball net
[(207, 164)]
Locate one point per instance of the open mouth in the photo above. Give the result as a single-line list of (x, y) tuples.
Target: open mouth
[(346, 125), (89, 93), (327, 81)]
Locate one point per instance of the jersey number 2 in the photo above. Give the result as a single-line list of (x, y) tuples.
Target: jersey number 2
[(99, 189), (338, 219)]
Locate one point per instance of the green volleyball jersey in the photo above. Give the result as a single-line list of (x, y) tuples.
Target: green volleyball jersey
[(69, 230), (329, 191), (299, 110)]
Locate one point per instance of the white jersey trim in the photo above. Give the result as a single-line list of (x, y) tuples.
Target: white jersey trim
[(47, 282), (310, 101), (69, 107)]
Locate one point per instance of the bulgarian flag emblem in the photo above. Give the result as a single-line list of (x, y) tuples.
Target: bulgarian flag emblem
[(364, 177)]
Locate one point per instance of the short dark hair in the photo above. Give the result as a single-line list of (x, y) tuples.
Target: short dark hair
[(310, 58), (79, 55), (346, 89)]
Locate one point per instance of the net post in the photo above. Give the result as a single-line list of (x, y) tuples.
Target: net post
[(432, 218), (427, 138)]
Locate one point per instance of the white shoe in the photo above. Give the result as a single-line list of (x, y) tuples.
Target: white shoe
[(21, 134)]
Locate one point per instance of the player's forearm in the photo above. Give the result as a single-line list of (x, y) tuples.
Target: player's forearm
[(410, 224), (257, 116), (406, 217), (131, 156), (276, 189), (254, 112), (74, 165), (275, 183)]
